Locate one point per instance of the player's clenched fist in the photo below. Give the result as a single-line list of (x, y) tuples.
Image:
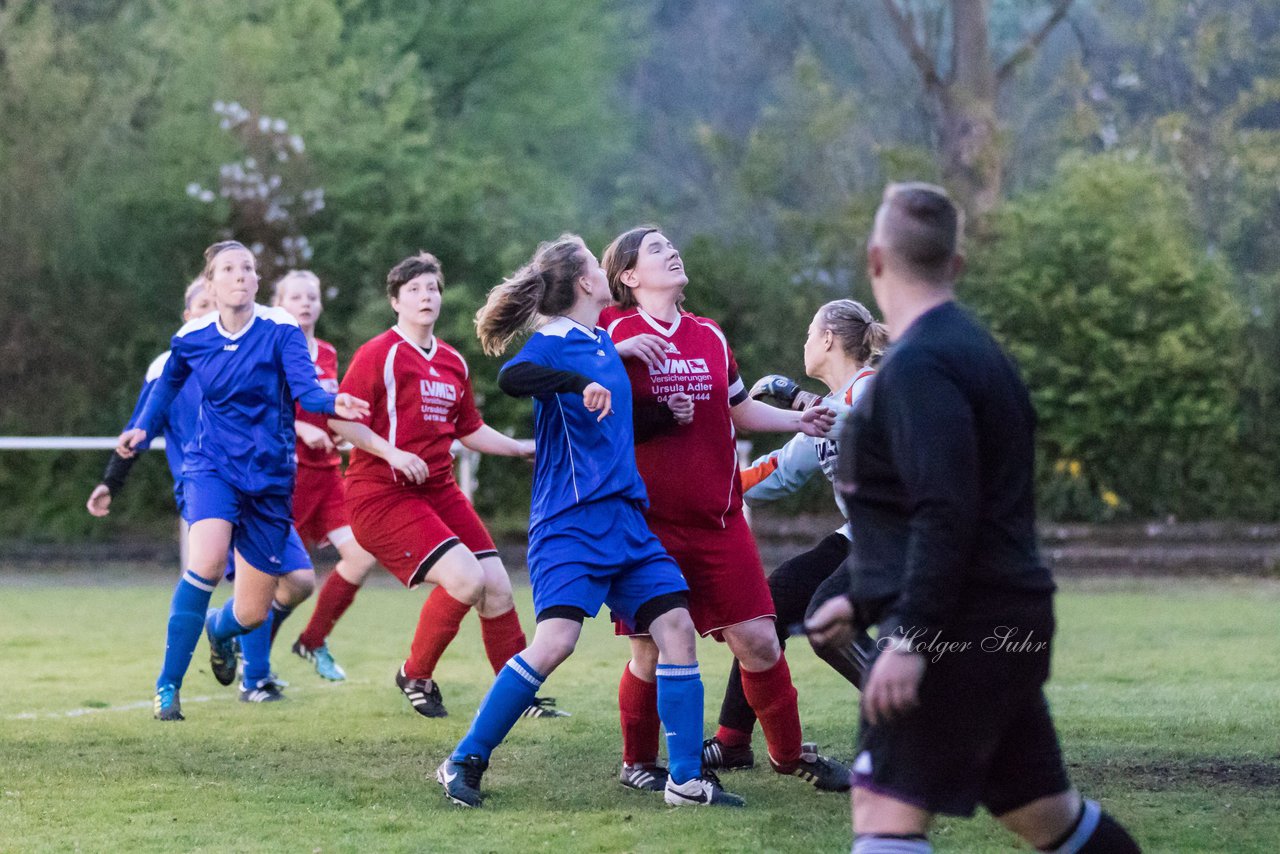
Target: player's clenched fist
[(681, 406)]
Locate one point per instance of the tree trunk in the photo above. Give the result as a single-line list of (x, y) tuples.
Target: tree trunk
[(969, 133)]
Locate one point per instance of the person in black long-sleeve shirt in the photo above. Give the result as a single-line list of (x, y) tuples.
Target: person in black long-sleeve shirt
[(938, 474)]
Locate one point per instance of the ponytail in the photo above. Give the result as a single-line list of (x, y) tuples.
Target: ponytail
[(861, 337), (544, 286)]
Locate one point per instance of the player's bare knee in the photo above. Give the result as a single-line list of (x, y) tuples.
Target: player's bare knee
[(644, 658), (355, 569), (250, 615), (674, 635), (754, 644), (1045, 820), (880, 814), (554, 639)]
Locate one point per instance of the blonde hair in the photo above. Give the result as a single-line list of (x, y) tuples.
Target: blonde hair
[(861, 337), (196, 287), (544, 286), (277, 290)]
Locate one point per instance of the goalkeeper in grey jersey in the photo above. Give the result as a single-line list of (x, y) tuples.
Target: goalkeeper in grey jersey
[(843, 340)]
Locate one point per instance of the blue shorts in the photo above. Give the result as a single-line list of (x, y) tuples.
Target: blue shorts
[(262, 525), (296, 556), (601, 553)]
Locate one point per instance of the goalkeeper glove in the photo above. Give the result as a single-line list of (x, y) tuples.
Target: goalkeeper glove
[(784, 391)]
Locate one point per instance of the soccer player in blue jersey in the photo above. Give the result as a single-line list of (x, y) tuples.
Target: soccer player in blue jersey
[(178, 425), (251, 364), (588, 542)]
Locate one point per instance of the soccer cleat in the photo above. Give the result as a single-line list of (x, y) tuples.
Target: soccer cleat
[(543, 707), (268, 692), (167, 705), (826, 774), (223, 654), (704, 791), (326, 667), (425, 701), (645, 778), (719, 756), (461, 780)]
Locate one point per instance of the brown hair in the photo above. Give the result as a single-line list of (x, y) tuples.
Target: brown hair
[(411, 268), (922, 227), (619, 257), (860, 336), (217, 249), (277, 290), (545, 286)]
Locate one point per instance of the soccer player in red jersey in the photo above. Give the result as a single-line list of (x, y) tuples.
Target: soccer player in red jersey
[(318, 510), (401, 498), (699, 519)]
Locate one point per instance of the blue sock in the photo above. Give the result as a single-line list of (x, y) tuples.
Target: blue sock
[(255, 646), (511, 693), (255, 651), (186, 621), (223, 623), (680, 709)]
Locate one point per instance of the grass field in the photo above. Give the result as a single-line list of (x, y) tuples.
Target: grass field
[(1167, 695)]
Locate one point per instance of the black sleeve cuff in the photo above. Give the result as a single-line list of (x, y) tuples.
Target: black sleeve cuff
[(117, 472), (525, 379)]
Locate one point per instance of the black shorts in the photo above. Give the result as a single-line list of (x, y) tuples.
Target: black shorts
[(982, 733)]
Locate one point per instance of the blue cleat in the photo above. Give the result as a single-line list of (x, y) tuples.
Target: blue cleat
[(326, 667), (223, 654), (461, 780), (167, 705)]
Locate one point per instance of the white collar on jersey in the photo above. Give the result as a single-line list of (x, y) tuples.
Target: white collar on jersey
[(560, 325), (243, 329), (427, 354), (658, 325)]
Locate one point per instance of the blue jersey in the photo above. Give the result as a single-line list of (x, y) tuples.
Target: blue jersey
[(249, 381), (580, 459), (177, 423)]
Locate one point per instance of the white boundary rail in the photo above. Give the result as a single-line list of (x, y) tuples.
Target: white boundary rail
[(468, 461)]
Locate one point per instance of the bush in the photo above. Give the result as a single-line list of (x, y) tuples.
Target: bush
[(1125, 332)]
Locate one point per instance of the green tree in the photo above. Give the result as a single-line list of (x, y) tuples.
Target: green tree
[(1126, 333)]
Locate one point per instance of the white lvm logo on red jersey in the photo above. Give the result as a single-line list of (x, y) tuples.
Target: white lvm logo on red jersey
[(437, 389), (687, 367)]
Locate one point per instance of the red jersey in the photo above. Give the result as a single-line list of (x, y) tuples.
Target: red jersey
[(419, 401), (326, 359), (691, 473)]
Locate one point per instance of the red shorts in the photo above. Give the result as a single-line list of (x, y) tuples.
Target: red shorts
[(408, 528), (722, 567), (318, 504)]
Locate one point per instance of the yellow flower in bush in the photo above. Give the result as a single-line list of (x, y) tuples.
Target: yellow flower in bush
[(1110, 499), (1075, 468), (1060, 467)]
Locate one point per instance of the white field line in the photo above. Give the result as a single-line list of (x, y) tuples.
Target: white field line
[(146, 704)]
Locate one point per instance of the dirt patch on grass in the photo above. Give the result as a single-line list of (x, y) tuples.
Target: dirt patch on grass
[(1157, 776)]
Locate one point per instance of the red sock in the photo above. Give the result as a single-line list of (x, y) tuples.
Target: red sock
[(336, 596), (437, 625), (502, 638), (773, 698), (730, 737), (638, 703)]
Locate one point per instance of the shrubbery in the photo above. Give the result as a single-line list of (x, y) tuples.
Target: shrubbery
[(1127, 334)]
